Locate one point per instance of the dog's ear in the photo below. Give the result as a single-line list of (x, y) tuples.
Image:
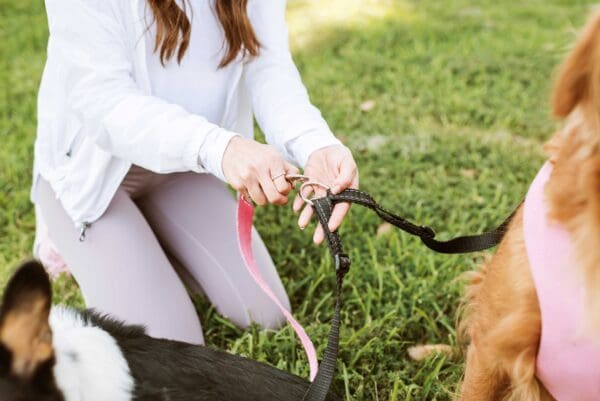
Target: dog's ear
[(24, 327), (578, 80)]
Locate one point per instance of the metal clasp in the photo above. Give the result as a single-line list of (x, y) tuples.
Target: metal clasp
[(304, 183), (295, 178)]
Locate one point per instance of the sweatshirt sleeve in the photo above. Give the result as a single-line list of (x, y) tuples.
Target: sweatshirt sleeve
[(280, 101), (96, 61)]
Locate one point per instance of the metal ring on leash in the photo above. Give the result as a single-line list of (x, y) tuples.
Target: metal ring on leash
[(305, 182), (312, 184)]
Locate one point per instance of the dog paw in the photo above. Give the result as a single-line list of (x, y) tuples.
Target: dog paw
[(421, 352)]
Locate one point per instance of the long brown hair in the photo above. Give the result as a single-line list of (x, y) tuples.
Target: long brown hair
[(173, 29)]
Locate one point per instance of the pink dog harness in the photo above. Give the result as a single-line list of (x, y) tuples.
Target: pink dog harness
[(568, 364)]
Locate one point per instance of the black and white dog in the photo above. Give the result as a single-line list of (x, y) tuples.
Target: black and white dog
[(59, 354)]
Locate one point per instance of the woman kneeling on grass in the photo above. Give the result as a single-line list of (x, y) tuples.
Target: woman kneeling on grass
[(145, 106)]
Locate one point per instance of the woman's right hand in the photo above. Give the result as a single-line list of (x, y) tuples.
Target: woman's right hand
[(257, 171)]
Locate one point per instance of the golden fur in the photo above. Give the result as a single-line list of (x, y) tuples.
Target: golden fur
[(502, 322)]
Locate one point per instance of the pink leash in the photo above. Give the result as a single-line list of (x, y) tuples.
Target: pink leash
[(245, 216)]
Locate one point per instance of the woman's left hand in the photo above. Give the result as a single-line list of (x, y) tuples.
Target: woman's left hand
[(333, 166)]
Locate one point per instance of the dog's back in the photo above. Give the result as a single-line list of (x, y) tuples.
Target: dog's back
[(175, 371), (59, 354)]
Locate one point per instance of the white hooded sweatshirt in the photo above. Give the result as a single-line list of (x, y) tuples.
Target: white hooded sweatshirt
[(104, 104)]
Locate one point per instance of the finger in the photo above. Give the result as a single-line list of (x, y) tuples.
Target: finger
[(257, 194), (270, 190), (304, 193), (305, 217), (307, 191), (337, 216), (298, 202), (346, 177), (319, 235), (244, 193), (282, 185)]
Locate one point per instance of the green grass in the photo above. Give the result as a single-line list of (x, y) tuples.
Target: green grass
[(461, 111)]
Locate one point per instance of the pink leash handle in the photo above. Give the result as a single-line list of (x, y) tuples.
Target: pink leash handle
[(245, 216)]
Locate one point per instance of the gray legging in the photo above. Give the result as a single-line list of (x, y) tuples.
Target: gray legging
[(126, 265)]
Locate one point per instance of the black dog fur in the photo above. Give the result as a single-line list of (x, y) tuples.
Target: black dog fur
[(162, 370)]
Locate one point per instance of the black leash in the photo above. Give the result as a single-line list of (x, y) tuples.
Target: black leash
[(319, 388), (464, 244), (323, 207)]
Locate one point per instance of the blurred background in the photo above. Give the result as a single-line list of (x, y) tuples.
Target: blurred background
[(445, 106)]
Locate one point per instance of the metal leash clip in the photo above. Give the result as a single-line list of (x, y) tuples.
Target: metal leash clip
[(306, 182), (294, 178)]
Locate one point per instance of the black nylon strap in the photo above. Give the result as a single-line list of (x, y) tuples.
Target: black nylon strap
[(319, 388), (464, 244)]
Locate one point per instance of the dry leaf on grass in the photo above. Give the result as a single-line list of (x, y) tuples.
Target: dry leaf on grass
[(367, 105), (384, 229)]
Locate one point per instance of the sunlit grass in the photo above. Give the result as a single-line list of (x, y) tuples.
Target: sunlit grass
[(308, 19), (458, 93)]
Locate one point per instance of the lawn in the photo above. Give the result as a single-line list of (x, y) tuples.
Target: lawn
[(455, 98)]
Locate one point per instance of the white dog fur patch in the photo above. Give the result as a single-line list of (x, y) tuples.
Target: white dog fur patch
[(89, 364)]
